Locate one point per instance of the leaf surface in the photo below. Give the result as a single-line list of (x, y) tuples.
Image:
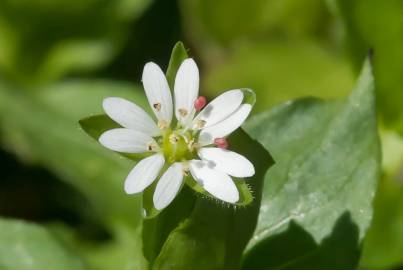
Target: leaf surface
[(327, 165)]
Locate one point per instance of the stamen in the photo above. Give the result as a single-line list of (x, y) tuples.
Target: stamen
[(192, 145), (185, 169), (200, 102), (173, 138), (151, 146), (157, 106), (221, 143), (183, 112), (162, 124), (200, 123)]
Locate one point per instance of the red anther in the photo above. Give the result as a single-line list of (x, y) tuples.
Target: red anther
[(200, 102), (221, 143)]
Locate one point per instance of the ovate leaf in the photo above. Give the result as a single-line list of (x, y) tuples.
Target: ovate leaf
[(25, 246), (327, 166)]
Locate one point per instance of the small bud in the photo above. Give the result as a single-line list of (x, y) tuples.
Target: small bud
[(200, 103), (221, 143)]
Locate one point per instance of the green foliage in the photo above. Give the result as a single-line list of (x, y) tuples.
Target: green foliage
[(327, 166), (25, 246), (378, 25), (214, 235), (278, 71), (123, 251), (311, 210), (41, 41), (383, 246), (44, 130), (226, 21)]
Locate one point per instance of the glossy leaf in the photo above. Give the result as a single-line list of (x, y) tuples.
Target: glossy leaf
[(327, 167), (25, 246)]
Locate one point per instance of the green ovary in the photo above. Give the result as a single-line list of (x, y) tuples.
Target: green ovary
[(176, 146)]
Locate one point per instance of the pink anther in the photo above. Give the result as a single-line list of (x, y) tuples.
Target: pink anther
[(221, 143), (200, 102)]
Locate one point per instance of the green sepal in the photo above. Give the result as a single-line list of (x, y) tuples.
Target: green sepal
[(249, 96), (149, 211), (245, 194), (98, 124), (178, 54)]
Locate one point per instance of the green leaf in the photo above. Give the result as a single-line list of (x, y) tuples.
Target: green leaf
[(209, 20), (279, 71), (43, 130), (25, 246), (44, 41), (377, 25), (215, 234), (121, 251), (327, 165)]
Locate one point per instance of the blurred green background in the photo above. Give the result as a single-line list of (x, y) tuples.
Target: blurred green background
[(60, 58)]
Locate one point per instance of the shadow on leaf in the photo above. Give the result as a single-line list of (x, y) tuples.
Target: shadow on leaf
[(295, 248)]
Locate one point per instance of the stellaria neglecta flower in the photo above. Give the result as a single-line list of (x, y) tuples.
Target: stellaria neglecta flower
[(192, 145)]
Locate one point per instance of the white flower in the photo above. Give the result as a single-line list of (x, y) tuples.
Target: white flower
[(177, 149)]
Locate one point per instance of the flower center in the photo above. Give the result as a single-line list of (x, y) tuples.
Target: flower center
[(178, 145)]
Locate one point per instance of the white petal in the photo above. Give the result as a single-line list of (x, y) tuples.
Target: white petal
[(129, 115), (225, 127), (220, 108), (144, 173), (227, 161), (186, 90), (168, 186), (126, 140), (217, 183), (157, 91)]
